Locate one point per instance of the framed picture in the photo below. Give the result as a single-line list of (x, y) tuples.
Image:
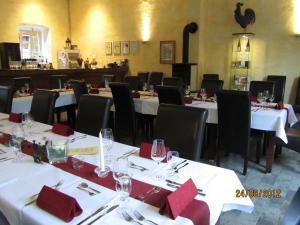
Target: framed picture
[(134, 47), (108, 48), (167, 52), (125, 47), (117, 47)]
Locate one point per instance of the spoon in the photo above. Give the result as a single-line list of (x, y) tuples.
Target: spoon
[(85, 185)]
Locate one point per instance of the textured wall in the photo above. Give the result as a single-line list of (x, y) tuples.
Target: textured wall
[(52, 14), (276, 49), (95, 21)]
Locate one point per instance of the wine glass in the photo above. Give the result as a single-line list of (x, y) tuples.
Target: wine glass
[(108, 140), (172, 159), (120, 168), (17, 136), (203, 94), (26, 86), (145, 87), (158, 153), (188, 90), (271, 97), (151, 87), (260, 97), (27, 121)]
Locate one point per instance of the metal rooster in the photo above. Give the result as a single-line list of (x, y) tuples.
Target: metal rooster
[(247, 18)]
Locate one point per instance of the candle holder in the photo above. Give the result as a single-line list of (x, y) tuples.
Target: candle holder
[(100, 173)]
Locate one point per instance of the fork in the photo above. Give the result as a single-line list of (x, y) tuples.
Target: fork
[(76, 138), (133, 165), (129, 219), (87, 191), (153, 190), (140, 217)]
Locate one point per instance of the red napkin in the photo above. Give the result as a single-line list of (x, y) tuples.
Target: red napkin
[(279, 105), (94, 91), (4, 138), (59, 204), (95, 86), (135, 94), (253, 98), (15, 117), (62, 129), (177, 201), (145, 151), (188, 100)]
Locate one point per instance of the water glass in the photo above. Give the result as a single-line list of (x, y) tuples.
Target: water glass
[(203, 94), (15, 147), (158, 154), (57, 151), (145, 86), (271, 97), (172, 159), (151, 89), (108, 140), (77, 162), (120, 168), (260, 97), (26, 86), (124, 186)]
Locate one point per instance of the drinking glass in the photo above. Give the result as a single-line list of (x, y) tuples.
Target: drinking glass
[(26, 86), (57, 151), (260, 97), (188, 90), (65, 86), (124, 187), (151, 89), (16, 140), (271, 97), (120, 168), (108, 140), (203, 94), (158, 153), (145, 87), (172, 159), (15, 147)]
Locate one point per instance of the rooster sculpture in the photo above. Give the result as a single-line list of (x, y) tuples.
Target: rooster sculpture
[(247, 18)]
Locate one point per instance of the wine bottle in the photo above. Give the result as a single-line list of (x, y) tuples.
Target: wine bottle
[(239, 46)]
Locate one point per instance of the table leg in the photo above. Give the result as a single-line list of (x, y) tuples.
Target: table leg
[(270, 151)]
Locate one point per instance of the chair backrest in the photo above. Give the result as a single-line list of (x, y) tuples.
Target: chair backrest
[(79, 88), (19, 82), (261, 86), (58, 81), (234, 111), (279, 88), (6, 98), (134, 82), (182, 128), (292, 216), (144, 76), (93, 114), (210, 76), (155, 78), (43, 106), (169, 95), (106, 78), (173, 81), (297, 100), (212, 86), (123, 102)]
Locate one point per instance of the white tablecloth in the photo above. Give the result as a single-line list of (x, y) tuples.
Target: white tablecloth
[(20, 180)]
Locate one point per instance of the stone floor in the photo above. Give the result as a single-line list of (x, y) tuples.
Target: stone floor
[(268, 211)]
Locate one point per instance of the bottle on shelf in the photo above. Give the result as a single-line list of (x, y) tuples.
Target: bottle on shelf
[(239, 46), (248, 46)]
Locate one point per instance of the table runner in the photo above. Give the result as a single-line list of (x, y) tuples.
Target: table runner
[(197, 210)]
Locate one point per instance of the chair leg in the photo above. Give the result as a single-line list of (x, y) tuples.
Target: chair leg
[(245, 166)]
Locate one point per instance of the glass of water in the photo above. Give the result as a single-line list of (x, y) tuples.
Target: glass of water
[(124, 187), (57, 151), (172, 159)]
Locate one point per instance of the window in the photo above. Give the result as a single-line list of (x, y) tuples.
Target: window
[(35, 42)]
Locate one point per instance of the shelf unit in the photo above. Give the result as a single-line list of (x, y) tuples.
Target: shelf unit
[(241, 61)]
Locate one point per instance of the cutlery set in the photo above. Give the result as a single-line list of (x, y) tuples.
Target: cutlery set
[(127, 154), (151, 191), (135, 166), (100, 216), (77, 138), (176, 185), (4, 159), (2, 151)]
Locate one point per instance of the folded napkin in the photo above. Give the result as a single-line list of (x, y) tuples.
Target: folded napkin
[(279, 105), (4, 138), (145, 151), (253, 98), (94, 91), (59, 204), (188, 100), (136, 94), (62, 129), (177, 201), (15, 117), (95, 86)]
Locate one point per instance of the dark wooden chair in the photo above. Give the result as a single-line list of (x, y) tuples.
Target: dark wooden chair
[(173, 81), (182, 128), (58, 81), (93, 114), (106, 78), (210, 76), (43, 106), (155, 78), (134, 82), (279, 87), (234, 119), (144, 77), (296, 106), (261, 86), (6, 98), (212, 86), (170, 95), (19, 82)]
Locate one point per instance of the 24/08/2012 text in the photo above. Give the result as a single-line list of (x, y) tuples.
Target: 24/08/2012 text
[(258, 193)]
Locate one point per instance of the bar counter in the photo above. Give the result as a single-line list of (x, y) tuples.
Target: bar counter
[(41, 78)]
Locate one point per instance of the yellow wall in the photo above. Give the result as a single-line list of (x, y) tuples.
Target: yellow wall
[(95, 21), (52, 14), (276, 49)]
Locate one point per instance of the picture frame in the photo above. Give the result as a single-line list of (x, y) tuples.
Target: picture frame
[(125, 47), (134, 47), (117, 47), (108, 48), (167, 52)]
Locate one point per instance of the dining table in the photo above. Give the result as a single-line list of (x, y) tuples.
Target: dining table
[(264, 116), (21, 179)]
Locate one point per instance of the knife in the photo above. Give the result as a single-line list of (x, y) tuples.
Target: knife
[(3, 160), (93, 214), (175, 168), (176, 186), (173, 182), (106, 212)]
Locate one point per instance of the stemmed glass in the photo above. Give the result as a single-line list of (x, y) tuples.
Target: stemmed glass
[(16, 140), (172, 159), (260, 97), (145, 87), (158, 153), (203, 94), (108, 140), (27, 121), (26, 86), (271, 97)]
